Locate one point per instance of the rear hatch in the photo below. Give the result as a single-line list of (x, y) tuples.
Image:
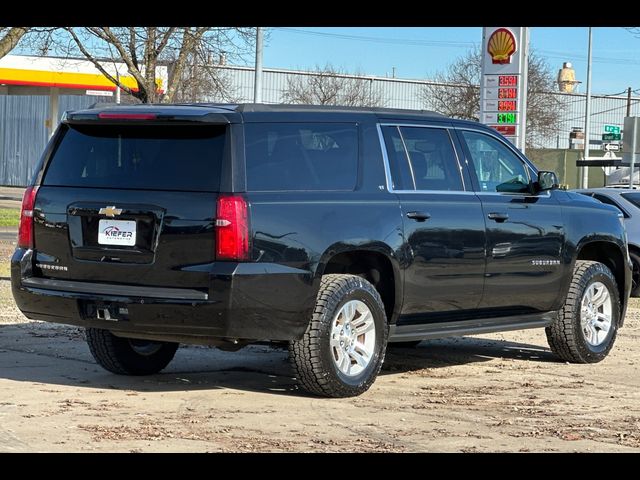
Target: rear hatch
[(130, 203)]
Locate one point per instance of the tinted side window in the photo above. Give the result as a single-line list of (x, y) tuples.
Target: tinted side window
[(401, 178), (494, 163), (633, 197), (301, 156), (433, 159), (175, 157)]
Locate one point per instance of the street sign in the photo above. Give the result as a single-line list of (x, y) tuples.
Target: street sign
[(611, 136), (611, 147), (611, 129), (100, 93)]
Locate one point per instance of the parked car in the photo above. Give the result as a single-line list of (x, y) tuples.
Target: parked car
[(336, 230), (628, 202)]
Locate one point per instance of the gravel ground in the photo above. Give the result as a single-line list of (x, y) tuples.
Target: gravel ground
[(496, 392)]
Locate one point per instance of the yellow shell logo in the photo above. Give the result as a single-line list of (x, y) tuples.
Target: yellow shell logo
[(501, 45)]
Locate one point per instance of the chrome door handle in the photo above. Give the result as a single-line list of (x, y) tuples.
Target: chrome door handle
[(419, 216), (498, 216)]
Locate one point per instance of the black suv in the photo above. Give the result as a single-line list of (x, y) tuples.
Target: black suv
[(335, 230)]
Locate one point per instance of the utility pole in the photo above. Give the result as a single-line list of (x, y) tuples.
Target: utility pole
[(634, 148), (587, 120), (257, 84), (117, 86), (632, 165)]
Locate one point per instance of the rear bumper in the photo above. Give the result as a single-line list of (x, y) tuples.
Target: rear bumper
[(245, 301)]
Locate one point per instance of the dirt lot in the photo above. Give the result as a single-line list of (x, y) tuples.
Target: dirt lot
[(498, 392)]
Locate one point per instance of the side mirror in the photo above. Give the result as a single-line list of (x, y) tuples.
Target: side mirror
[(547, 180)]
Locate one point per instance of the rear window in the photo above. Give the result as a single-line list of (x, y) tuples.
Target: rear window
[(153, 157), (301, 156)]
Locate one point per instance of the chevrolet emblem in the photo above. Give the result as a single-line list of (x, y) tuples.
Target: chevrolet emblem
[(110, 211)]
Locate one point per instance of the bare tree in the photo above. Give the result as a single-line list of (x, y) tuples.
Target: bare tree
[(205, 82), (142, 49), (331, 86), (9, 38), (456, 93), (543, 107)]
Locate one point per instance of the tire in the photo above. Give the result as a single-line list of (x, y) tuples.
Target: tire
[(635, 277), (410, 344), (128, 356), (318, 359), (566, 336)]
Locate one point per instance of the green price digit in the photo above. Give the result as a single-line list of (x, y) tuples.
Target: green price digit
[(506, 118)]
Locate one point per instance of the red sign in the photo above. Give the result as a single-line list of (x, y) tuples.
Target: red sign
[(507, 105), (509, 130), (507, 92), (507, 80)]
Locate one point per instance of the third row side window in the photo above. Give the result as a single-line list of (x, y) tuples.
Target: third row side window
[(422, 159)]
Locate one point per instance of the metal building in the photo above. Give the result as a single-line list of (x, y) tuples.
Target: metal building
[(23, 134)]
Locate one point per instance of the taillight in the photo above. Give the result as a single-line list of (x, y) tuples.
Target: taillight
[(232, 228), (25, 231)]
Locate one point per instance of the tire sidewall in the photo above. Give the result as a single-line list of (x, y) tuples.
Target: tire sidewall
[(364, 378), (635, 259), (588, 351), (116, 354)]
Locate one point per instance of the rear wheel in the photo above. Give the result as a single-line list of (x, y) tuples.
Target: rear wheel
[(586, 327), (129, 356), (343, 348)]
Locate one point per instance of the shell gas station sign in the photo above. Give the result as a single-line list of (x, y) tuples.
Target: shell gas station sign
[(503, 86)]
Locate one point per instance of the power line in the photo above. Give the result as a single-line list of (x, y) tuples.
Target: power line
[(634, 102), (555, 54), (388, 40), (607, 60), (614, 94)]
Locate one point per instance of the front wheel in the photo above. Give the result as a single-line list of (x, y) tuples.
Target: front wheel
[(342, 350), (128, 356), (586, 327)]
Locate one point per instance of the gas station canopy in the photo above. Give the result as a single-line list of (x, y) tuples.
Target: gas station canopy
[(53, 76)]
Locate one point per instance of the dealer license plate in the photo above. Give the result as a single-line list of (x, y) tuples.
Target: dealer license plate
[(117, 232)]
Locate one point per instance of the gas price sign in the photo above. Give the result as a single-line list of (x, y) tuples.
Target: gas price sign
[(507, 92), (506, 118), (504, 82), (507, 80), (507, 105)]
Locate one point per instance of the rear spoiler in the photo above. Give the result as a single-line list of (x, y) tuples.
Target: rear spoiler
[(145, 117)]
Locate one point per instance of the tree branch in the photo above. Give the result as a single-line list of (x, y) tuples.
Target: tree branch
[(132, 47), (189, 40), (10, 39), (165, 40), (97, 64)]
